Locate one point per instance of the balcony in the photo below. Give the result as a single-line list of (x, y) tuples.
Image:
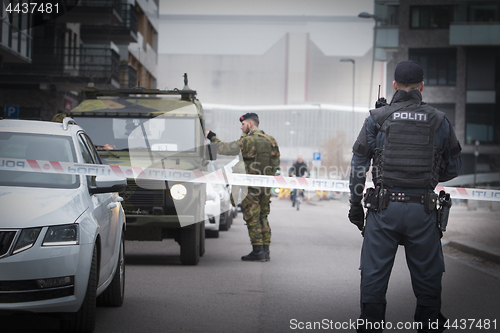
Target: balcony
[(387, 37), (121, 33), (67, 66), (475, 34), (93, 12)]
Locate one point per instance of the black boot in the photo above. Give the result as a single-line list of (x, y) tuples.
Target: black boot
[(256, 255), (267, 253)]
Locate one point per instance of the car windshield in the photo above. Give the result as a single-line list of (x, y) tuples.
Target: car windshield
[(27, 146), (156, 134)]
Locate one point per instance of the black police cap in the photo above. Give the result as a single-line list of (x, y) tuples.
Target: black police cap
[(249, 115), (409, 72)]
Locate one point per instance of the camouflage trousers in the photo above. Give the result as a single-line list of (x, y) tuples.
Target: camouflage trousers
[(256, 206)]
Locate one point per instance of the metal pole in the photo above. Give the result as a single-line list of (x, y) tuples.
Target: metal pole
[(353, 85), (374, 17)]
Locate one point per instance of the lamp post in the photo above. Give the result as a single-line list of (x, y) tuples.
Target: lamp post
[(476, 155), (353, 85), (372, 16)]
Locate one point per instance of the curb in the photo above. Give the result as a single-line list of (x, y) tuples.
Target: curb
[(484, 251)]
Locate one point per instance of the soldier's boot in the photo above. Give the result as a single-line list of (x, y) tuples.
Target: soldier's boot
[(267, 253), (257, 254)]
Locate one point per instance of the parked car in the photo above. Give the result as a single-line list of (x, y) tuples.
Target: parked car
[(212, 212), (61, 235), (219, 211)]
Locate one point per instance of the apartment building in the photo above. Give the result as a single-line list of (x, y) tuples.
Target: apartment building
[(112, 43), (458, 44)]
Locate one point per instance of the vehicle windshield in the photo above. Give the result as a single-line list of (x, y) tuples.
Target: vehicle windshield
[(155, 134), (27, 146)]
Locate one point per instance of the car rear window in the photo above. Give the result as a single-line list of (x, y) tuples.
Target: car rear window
[(37, 147)]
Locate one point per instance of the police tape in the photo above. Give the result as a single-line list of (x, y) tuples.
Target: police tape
[(215, 177)]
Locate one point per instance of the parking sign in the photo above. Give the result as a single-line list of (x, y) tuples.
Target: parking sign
[(11, 111)]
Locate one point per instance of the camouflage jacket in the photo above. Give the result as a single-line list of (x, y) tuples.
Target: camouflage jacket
[(260, 152)]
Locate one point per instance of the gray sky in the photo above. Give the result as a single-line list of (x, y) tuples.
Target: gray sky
[(236, 27)]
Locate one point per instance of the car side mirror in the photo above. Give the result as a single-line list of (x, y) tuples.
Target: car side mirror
[(108, 184), (211, 151)]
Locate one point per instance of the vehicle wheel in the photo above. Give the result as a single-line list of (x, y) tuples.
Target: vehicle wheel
[(202, 238), (115, 292), (223, 226), (84, 320), (235, 212), (190, 244), (212, 233)]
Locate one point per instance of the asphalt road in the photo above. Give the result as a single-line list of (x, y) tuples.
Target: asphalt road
[(312, 277)]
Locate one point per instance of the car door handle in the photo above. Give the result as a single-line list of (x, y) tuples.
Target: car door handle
[(112, 205)]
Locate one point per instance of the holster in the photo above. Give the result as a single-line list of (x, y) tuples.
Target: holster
[(443, 210)]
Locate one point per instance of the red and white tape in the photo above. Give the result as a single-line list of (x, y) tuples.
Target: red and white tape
[(217, 177)]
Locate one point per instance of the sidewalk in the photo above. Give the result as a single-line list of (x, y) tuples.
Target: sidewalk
[(476, 232)]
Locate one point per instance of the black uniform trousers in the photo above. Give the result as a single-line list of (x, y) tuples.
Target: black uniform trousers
[(384, 230)]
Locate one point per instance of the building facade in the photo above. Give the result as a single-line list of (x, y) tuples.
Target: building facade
[(457, 42), (112, 43)]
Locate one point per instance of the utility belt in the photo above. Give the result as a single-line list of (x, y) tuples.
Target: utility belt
[(379, 198)]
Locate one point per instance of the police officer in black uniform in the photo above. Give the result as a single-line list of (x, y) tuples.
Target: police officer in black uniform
[(413, 147)]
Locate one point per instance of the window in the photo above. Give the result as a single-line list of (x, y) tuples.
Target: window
[(431, 17), (440, 65), (482, 124), (483, 13), (37, 147)]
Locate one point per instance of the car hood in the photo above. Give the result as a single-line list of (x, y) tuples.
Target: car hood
[(24, 207)]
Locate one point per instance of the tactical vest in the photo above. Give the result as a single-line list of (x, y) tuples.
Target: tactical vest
[(408, 158), (267, 156)]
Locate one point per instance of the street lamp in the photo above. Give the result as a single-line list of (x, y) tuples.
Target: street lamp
[(353, 78), (372, 16)]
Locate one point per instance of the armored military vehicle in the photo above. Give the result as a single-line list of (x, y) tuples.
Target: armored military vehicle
[(150, 128)]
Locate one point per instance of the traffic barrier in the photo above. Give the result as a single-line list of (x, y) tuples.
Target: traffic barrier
[(217, 177)]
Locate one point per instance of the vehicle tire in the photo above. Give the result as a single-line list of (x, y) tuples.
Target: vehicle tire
[(223, 226), (212, 233), (115, 292), (190, 244), (235, 212), (202, 238), (84, 320)]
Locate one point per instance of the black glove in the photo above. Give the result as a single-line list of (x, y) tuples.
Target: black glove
[(357, 215), (210, 135)]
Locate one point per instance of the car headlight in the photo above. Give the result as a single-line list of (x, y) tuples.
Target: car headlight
[(26, 240), (61, 235), (178, 191)]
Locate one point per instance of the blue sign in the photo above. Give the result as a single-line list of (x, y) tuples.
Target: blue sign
[(12, 111), (316, 156)]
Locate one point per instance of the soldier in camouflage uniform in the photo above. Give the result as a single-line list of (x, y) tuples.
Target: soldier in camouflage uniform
[(262, 157)]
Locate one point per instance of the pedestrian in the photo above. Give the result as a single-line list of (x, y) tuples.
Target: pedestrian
[(261, 156), (413, 147), (298, 169)]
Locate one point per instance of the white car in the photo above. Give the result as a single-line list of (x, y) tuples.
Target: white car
[(61, 235), (212, 212)]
